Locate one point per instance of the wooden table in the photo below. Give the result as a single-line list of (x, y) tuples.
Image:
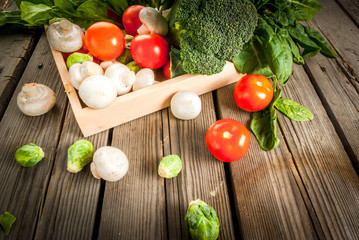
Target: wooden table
[(307, 188)]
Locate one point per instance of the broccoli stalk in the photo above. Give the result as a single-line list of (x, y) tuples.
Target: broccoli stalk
[(212, 31)]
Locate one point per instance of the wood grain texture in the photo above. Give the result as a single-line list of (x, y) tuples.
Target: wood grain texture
[(324, 166), (343, 34), (135, 207), (351, 8), (270, 200), (340, 100), (16, 46), (69, 211), (202, 176), (23, 189)]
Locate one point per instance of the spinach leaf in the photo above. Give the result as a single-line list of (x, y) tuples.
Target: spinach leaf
[(119, 6), (301, 37), (277, 52), (36, 14), (315, 36), (293, 110), (46, 2), (176, 63), (251, 59), (6, 221), (304, 10), (13, 17), (264, 124), (297, 58)]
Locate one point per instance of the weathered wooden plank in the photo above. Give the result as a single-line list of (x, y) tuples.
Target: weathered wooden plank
[(343, 34), (351, 8), (270, 200), (23, 189), (340, 100), (16, 47), (325, 168), (135, 207), (69, 211), (202, 176)]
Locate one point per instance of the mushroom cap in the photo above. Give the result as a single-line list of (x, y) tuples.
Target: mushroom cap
[(65, 36), (97, 91), (109, 163), (79, 71), (153, 21), (122, 77), (186, 105), (144, 78), (35, 99)]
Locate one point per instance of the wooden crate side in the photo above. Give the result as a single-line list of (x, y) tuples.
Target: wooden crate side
[(141, 102)]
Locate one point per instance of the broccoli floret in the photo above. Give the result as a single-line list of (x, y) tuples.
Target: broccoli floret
[(211, 31)]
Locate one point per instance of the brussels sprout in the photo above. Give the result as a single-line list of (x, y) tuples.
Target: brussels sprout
[(79, 155), (6, 221), (29, 155), (134, 67), (78, 58), (202, 221), (125, 57), (170, 166)]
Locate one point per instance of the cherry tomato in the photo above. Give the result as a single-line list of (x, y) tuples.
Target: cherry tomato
[(131, 20), (228, 140), (104, 40), (253, 93), (149, 50), (167, 69)]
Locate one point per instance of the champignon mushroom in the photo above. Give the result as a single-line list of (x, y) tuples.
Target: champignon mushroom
[(152, 22), (144, 78), (79, 71), (65, 36), (35, 99), (106, 64), (97, 91), (109, 163), (122, 77), (185, 105)]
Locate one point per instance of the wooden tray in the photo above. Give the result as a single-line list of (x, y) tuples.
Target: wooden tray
[(141, 102)]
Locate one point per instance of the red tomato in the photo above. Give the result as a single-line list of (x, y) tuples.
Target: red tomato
[(149, 50), (105, 40), (253, 93), (130, 19), (228, 140), (167, 69)]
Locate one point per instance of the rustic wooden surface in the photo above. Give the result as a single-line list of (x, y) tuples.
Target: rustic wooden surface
[(307, 188)]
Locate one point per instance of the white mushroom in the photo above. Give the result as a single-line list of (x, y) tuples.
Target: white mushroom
[(152, 22), (35, 99), (109, 163), (79, 71), (106, 64), (185, 105), (97, 91), (122, 77), (65, 36), (144, 78)]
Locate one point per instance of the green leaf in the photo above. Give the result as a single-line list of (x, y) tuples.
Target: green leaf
[(301, 37), (297, 58), (315, 36), (304, 10), (13, 17), (36, 14), (251, 59), (118, 5), (264, 124), (6, 222), (293, 110), (176, 63), (277, 52), (46, 2)]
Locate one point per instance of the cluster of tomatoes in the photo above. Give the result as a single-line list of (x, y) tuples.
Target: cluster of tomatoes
[(227, 139), (106, 42)]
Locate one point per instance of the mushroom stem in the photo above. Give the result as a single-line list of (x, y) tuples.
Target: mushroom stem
[(31, 90), (66, 26)]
